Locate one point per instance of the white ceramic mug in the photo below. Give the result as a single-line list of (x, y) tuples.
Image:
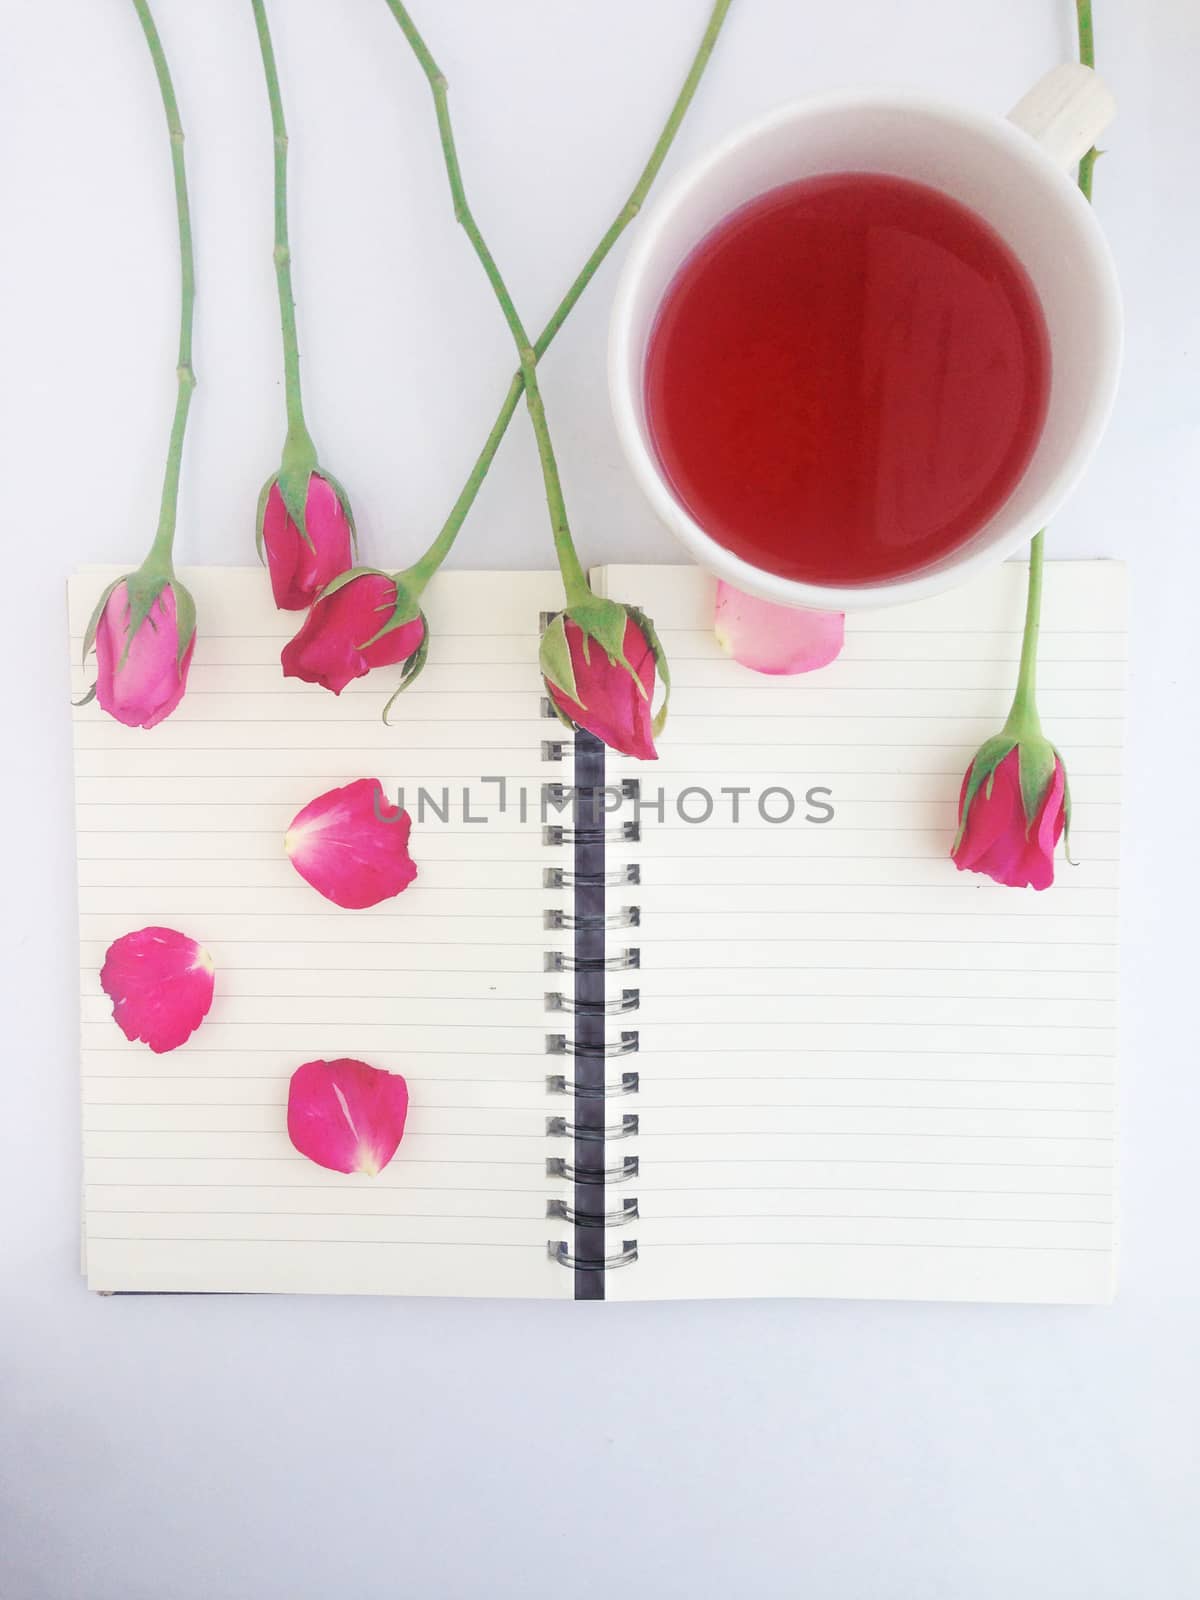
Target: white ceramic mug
[(1016, 175)]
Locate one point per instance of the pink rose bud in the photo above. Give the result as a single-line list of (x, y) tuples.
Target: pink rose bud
[(346, 1115), (301, 563), (1012, 811), (598, 660), (144, 630), (362, 620), (161, 985), (779, 640), (352, 846)]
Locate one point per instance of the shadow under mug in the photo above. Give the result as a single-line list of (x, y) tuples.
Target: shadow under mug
[(1017, 175)]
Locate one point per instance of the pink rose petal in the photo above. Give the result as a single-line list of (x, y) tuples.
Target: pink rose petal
[(352, 846), (161, 985), (775, 639), (345, 1115)]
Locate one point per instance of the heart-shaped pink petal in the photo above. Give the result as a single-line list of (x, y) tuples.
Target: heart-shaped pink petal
[(778, 640), (161, 985), (352, 846), (346, 1115)]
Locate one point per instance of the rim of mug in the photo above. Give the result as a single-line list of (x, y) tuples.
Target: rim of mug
[(624, 376)]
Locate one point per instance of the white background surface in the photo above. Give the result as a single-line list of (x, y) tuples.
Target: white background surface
[(206, 1449)]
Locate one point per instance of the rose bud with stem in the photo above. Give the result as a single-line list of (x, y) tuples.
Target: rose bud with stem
[(1015, 802), (338, 644), (618, 677), (304, 522), (144, 626)]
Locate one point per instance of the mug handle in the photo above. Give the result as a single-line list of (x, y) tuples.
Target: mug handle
[(1066, 112)]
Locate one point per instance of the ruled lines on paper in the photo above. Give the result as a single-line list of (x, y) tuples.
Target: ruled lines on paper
[(190, 1179), (863, 1073)]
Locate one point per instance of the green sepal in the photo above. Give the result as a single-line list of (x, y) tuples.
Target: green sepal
[(1036, 760), (343, 500), (85, 699), (260, 515), (597, 619), (557, 710), (1066, 835), (554, 660), (296, 467), (983, 766), (661, 664), (343, 578), (407, 609), (143, 588), (185, 618), (412, 668), (89, 637), (604, 621)]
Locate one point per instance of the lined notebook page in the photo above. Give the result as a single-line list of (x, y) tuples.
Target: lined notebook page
[(864, 1073), (190, 1179)]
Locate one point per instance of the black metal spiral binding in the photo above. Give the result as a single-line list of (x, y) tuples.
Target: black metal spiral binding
[(630, 1000), (560, 1167), (627, 917), (560, 878), (607, 1219), (591, 810), (556, 1083), (627, 961), (589, 834), (560, 1251), (560, 1128), (624, 833), (557, 1044)]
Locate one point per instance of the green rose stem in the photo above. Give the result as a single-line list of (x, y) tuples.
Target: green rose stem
[(574, 577), (158, 562), (1087, 54), (299, 452), (1022, 730), (424, 568), (1023, 720), (157, 571)]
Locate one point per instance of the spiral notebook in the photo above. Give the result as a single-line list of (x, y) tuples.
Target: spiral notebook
[(727, 1024)]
